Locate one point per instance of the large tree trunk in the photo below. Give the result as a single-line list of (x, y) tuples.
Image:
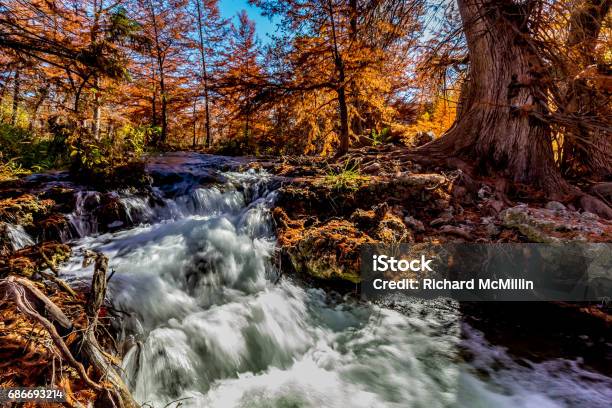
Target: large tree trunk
[(97, 109), (42, 95), (501, 125), (97, 7), (356, 120), (344, 129)]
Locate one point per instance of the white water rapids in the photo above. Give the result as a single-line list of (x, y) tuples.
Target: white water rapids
[(215, 326)]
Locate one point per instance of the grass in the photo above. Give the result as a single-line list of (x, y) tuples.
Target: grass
[(12, 170), (347, 178)]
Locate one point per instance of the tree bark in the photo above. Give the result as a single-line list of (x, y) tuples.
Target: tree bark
[(357, 123), (341, 86), (592, 150), (97, 109), (502, 125), (16, 96), (97, 7), (42, 95), (204, 77), (195, 124), (162, 84)]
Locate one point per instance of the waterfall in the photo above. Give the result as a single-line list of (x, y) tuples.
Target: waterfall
[(213, 325), (82, 220), (18, 237)]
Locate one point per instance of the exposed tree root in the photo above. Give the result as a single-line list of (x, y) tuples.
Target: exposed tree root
[(34, 353), (18, 288)]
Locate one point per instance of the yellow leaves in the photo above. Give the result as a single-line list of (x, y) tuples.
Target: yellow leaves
[(599, 80), (438, 119)]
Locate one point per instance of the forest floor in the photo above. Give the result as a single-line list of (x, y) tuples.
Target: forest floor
[(326, 211)]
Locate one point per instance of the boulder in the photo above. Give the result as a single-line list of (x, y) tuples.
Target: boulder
[(550, 226)]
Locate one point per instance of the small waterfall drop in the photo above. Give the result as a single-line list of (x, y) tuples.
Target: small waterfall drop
[(82, 219), (18, 237)]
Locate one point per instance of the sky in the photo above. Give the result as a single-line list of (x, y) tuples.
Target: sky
[(229, 9)]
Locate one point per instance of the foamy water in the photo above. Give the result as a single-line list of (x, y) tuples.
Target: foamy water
[(216, 327)]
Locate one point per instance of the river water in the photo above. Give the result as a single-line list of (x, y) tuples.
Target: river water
[(215, 325)]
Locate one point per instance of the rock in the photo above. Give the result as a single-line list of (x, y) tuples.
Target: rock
[(427, 180), (63, 197), (495, 206), (555, 206), (110, 211), (596, 206), (372, 168), (459, 193), (484, 192), (442, 204), (53, 228), (380, 210), (533, 228), (421, 138), (391, 230), (365, 220), (414, 224), (548, 226), (492, 229), (457, 231), (6, 245), (329, 251), (445, 218), (589, 216)]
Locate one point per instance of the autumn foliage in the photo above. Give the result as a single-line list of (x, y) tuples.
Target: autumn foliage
[(96, 80)]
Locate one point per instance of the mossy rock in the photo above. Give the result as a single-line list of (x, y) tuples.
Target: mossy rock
[(28, 261), (330, 251), (25, 209)]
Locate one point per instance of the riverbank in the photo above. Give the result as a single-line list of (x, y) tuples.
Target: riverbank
[(328, 210)]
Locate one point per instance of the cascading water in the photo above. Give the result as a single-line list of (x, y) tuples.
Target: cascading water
[(18, 237), (82, 220), (214, 326)]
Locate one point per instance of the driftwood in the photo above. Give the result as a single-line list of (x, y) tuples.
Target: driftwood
[(119, 394), (98, 283), (59, 282)]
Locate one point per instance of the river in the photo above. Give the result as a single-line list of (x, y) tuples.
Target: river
[(215, 324)]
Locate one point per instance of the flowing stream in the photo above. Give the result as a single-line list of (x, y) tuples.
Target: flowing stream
[(214, 324)]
